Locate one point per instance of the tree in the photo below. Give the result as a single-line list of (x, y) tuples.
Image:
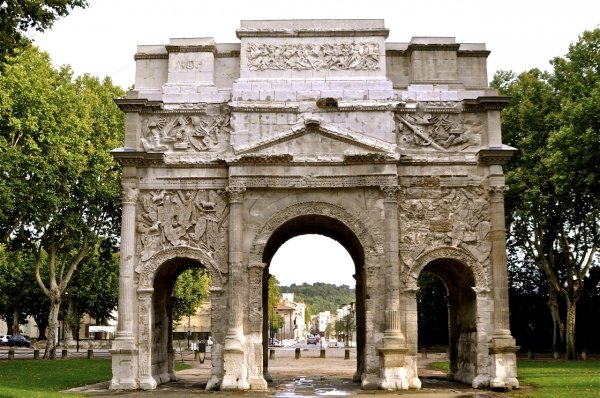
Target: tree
[(60, 187), (275, 320), (18, 16), (191, 289), (553, 203)]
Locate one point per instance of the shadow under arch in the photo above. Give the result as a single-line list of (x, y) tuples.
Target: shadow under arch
[(332, 221), (465, 280), (157, 278)]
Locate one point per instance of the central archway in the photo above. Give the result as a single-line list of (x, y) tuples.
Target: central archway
[(334, 222)]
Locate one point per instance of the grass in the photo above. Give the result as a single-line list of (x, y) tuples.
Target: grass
[(32, 379), (553, 378)]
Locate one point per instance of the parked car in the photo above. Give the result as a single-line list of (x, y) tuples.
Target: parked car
[(275, 343), (4, 339), (19, 341), (332, 343), (311, 340)]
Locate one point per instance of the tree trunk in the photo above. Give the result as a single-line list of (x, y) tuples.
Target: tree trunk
[(557, 324), (52, 341), (571, 312), (15, 322)]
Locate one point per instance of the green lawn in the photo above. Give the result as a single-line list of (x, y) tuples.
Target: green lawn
[(31, 379), (553, 378)]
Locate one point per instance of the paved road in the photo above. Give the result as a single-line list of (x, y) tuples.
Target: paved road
[(309, 376)]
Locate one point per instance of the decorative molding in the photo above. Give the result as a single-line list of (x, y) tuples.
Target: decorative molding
[(474, 53), (314, 181), (496, 155), (235, 192), (303, 56), (243, 33), (432, 47), (191, 49), (128, 157), (485, 103), (130, 105), (143, 56), (228, 54), (391, 193)]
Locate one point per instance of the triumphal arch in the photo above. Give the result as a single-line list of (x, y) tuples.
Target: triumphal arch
[(314, 126)]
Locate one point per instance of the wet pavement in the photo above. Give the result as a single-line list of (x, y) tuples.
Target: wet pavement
[(309, 376)]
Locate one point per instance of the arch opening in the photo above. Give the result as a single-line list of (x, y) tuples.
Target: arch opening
[(170, 335), (458, 281), (336, 232)]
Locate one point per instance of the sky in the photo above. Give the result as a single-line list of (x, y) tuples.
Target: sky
[(102, 38)]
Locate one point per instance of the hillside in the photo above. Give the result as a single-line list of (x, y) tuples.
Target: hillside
[(321, 296)]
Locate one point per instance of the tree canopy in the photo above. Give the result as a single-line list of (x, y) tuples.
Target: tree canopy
[(321, 296), (18, 16), (59, 187), (553, 203)]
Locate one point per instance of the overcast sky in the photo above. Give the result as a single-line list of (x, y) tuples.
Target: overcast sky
[(521, 34)]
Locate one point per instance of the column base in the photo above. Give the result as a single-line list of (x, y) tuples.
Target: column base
[(234, 369), (503, 370), (258, 384), (148, 383), (398, 372), (124, 365)]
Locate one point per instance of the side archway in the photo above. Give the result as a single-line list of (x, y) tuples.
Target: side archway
[(156, 279), (467, 293)]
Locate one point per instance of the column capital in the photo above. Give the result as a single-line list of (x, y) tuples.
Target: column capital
[(235, 193), (391, 192), (497, 191), (129, 194)]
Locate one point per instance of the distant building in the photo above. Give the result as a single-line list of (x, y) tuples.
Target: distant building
[(294, 326)]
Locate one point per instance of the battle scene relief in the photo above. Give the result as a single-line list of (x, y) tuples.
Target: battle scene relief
[(169, 218), (185, 132), (444, 131), (434, 216)]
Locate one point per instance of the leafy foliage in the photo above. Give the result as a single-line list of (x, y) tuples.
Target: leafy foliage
[(18, 16), (433, 311), (553, 205), (59, 186), (321, 296), (191, 289)]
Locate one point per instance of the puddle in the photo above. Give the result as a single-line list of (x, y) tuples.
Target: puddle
[(305, 387)]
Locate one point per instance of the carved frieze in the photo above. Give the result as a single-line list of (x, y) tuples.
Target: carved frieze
[(305, 56), (444, 131), (456, 217), (171, 218), (185, 132)]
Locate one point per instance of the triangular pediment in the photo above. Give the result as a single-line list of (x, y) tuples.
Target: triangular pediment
[(315, 140)]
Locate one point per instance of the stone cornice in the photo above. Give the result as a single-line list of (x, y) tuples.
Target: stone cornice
[(228, 54), (128, 105), (191, 49), (128, 157), (486, 103), (139, 56), (432, 47), (474, 53), (243, 33), (369, 158), (496, 155), (264, 159)]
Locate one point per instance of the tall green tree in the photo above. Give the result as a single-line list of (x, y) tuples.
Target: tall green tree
[(191, 289), (18, 16), (60, 187), (553, 202)]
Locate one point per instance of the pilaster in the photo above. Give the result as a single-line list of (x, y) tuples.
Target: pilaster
[(235, 361)]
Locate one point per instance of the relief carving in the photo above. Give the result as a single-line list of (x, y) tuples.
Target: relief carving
[(299, 56), (185, 132), (448, 132), (181, 218), (458, 218)]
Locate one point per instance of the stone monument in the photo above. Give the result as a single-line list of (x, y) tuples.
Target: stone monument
[(314, 126)]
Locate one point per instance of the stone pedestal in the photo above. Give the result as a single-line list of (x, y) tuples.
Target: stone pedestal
[(503, 369), (124, 365)]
